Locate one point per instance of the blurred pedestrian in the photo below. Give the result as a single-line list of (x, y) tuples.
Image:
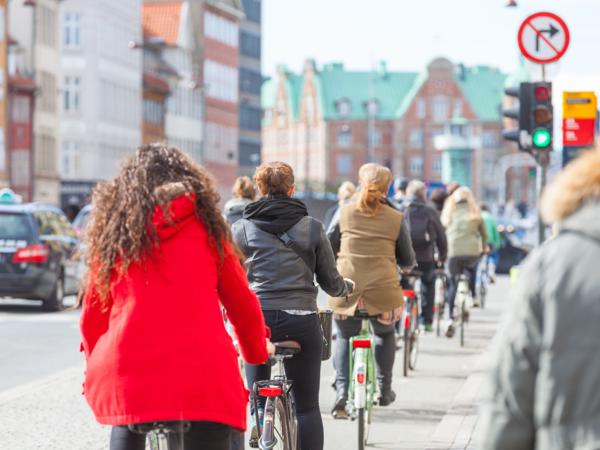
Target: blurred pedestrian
[(467, 240), (345, 192), (162, 264), (370, 238), (491, 229), (438, 198), (428, 240), (452, 187), (400, 185), (243, 194), (546, 368)]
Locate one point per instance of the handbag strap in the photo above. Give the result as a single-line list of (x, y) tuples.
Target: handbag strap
[(292, 245)]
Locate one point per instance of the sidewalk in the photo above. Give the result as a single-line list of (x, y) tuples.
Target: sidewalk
[(436, 407)]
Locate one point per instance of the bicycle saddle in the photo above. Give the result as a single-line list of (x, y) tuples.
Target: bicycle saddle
[(287, 348), (364, 314), (175, 427)]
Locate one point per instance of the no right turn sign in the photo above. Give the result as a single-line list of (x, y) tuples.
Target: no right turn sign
[(543, 37)]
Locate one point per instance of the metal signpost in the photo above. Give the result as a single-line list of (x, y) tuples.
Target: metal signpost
[(543, 38)]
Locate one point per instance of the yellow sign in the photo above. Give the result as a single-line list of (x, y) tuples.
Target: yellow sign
[(579, 105)]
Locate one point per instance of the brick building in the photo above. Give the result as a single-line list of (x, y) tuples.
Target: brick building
[(329, 122)]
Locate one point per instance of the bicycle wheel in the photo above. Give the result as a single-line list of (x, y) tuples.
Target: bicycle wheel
[(482, 294), (414, 343), (362, 429), (281, 438), (407, 350), (462, 324)]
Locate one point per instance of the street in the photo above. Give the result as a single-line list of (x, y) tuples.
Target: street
[(41, 405)]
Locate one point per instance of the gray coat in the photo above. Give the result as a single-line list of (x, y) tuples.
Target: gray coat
[(546, 377), (234, 209), (279, 277)]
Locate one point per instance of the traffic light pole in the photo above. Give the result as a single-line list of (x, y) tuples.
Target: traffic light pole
[(542, 159)]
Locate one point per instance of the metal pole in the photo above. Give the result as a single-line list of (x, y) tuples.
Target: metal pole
[(542, 167), (306, 156)]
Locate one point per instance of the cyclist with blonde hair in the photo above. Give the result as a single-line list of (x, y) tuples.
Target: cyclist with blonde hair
[(370, 239), (467, 240)]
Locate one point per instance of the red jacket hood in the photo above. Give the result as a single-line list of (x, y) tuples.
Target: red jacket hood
[(178, 213)]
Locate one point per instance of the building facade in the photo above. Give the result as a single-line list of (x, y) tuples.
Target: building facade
[(35, 27), (100, 91), (329, 122), (250, 80)]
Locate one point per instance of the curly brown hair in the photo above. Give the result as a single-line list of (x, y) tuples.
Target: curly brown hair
[(120, 231)]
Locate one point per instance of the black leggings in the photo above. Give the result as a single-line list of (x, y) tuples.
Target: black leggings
[(304, 369), (202, 436)]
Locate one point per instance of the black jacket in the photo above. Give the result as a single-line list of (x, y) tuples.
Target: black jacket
[(280, 278)]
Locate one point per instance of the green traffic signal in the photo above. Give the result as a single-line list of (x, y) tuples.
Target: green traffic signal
[(541, 138)]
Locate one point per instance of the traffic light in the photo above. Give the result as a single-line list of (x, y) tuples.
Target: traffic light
[(542, 117), (534, 114)]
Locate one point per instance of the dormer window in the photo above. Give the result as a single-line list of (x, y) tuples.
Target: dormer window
[(343, 107), (372, 107)]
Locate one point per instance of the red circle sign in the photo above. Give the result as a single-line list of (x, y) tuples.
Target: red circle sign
[(543, 37)]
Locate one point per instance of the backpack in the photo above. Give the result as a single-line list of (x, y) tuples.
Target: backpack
[(418, 220)]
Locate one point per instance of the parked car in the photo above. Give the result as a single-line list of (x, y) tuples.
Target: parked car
[(39, 254), (82, 219)]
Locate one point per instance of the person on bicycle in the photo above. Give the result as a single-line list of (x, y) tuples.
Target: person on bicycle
[(371, 239), (491, 229), (345, 193), (429, 243), (162, 262), (467, 240), (286, 249), (243, 194), (546, 365)]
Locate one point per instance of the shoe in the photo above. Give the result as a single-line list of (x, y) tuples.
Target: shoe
[(339, 409), (450, 330), (428, 328), (387, 397), (476, 303), (253, 441)]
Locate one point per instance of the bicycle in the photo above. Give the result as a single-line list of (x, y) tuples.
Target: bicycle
[(279, 430), (410, 322), (362, 386), (463, 302), (483, 277), (162, 435), (441, 284)]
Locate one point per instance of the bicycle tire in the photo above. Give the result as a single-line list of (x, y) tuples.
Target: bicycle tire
[(281, 428), (362, 429), (406, 362), (462, 324), (482, 294), (414, 343), (151, 441)]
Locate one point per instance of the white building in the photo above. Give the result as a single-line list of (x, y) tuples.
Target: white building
[(184, 109), (35, 26), (101, 91)]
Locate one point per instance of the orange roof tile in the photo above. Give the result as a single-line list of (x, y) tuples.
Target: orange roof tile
[(162, 20)]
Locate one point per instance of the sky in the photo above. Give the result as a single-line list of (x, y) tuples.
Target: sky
[(408, 34)]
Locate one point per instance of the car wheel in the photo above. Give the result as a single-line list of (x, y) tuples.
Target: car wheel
[(56, 300)]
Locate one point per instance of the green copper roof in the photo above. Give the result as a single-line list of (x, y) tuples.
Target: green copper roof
[(411, 94), (520, 75), (484, 88)]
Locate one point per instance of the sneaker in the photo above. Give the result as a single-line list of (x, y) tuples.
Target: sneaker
[(476, 303), (387, 398), (339, 409), (450, 330)]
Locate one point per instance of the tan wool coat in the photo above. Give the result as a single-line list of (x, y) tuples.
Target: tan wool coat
[(368, 256)]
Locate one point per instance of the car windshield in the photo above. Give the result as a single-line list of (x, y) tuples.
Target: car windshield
[(14, 226), (82, 219)]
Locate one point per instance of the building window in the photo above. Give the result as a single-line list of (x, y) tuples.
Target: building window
[(436, 164), (372, 107), (343, 164), (374, 138), (221, 81), (48, 97), (344, 108), (252, 10), (20, 169), (421, 108), (72, 94), (70, 159), (45, 25), (153, 112), (250, 81), (249, 45), (250, 117), (416, 166), (221, 29), (249, 153), (221, 143), (457, 110), (45, 160), (489, 139), (439, 108), (415, 138), (72, 30), (21, 109), (344, 137)]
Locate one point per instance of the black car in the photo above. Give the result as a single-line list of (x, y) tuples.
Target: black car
[(39, 254)]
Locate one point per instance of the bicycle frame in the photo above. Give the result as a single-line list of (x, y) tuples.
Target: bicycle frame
[(362, 386)]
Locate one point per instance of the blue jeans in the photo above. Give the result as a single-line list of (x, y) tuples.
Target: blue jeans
[(304, 369)]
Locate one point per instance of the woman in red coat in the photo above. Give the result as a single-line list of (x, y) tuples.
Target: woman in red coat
[(162, 264)]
